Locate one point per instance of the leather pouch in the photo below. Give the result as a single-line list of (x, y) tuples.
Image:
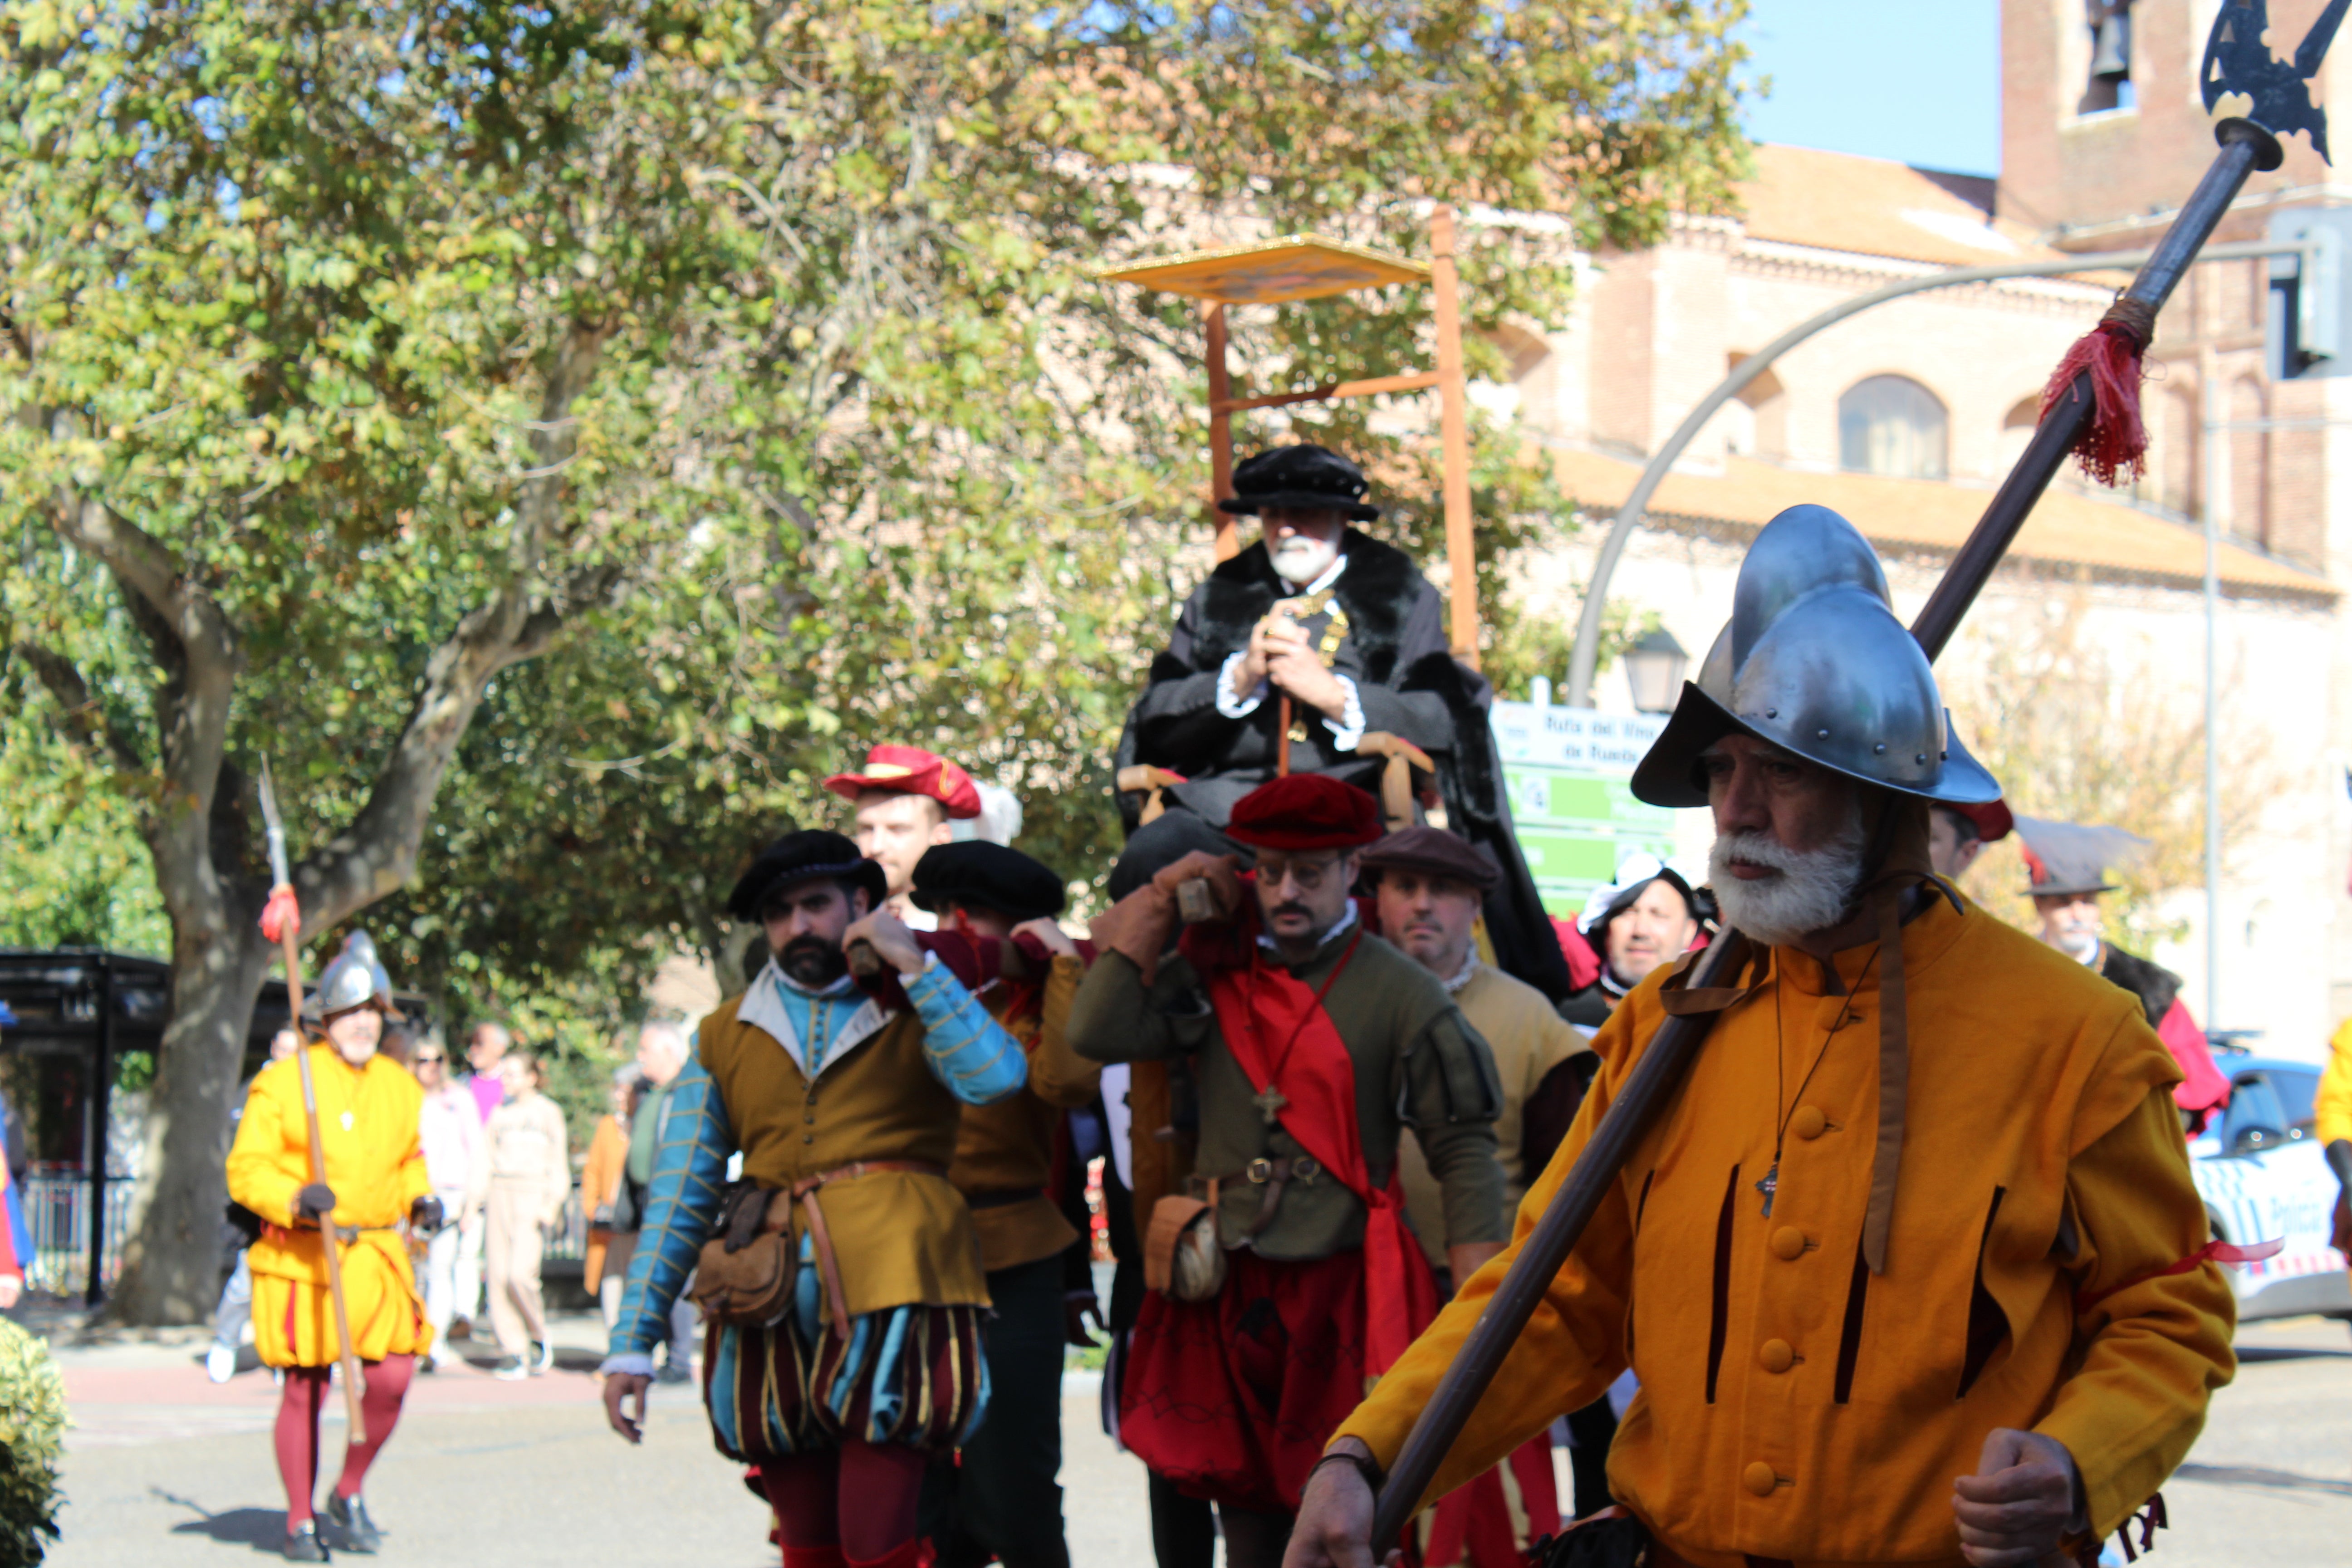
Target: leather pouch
[(745, 1274), (1181, 1257)]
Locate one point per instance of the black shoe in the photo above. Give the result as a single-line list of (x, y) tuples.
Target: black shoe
[(355, 1531), (302, 1543)]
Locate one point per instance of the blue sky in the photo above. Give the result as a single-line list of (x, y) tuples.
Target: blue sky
[(1918, 80)]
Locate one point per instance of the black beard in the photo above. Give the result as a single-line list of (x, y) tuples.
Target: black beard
[(812, 962)]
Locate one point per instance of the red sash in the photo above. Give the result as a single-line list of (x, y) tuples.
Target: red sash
[(1276, 1029)]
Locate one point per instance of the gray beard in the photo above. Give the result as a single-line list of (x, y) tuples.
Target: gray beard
[(1813, 893), (1300, 567)]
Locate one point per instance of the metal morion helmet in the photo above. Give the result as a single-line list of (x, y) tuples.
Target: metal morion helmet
[(355, 978), (1814, 662)]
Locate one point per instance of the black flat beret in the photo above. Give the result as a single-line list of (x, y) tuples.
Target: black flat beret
[(982, 875), (802, 856)]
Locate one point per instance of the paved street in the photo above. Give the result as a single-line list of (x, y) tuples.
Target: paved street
[(163, 1468)]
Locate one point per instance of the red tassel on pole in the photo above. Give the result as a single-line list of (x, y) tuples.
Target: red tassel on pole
[(281, 913), (2114, 446)]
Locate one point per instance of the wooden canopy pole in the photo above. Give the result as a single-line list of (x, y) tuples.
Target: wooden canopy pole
[(1220, 433), (1454, 426)]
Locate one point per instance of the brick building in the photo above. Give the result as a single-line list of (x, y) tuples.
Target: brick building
[(1905, 417)]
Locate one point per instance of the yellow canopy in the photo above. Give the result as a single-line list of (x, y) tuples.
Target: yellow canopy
[(1296, 267)]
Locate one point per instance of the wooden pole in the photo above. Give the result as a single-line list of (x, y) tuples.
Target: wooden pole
[(1454, 425), (1220, 433), (289, 942)]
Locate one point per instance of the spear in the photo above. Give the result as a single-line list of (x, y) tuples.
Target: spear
[(281, 919), (2091, 408)]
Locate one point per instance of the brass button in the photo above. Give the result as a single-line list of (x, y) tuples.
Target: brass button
[(1788, 1244), (1759, 1479), (1775, 1356), (811, 1116), (808, 1136), (1809, 1122)]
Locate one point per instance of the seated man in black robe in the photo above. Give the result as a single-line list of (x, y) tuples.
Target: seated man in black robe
[(1324, 634)]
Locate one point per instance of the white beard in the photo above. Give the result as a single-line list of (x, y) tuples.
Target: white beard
[(1811, 893), (1298, 560)]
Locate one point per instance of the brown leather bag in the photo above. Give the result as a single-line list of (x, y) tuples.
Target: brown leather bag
[(1182, 1259), (745, 1275)]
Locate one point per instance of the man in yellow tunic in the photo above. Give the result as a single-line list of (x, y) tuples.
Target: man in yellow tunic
[(367, 1114), (2332, 1124), (1912, 1270)]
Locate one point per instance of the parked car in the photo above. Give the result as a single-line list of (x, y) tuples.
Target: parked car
[(2263, 1176)]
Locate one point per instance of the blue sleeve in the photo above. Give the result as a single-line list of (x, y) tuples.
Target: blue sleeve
[(681, 1208), (969, 1051)]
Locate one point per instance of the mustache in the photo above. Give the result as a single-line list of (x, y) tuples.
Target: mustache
[(1291, 908)]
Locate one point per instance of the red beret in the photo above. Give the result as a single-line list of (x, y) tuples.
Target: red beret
[(1304, 811), (910, 770), (1992, 817)]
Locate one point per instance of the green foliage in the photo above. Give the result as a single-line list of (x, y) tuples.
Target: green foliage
[(32, 1436), (866, 451), (76, 874)]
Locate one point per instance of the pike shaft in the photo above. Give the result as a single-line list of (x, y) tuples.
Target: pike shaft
[(1677, 1043)]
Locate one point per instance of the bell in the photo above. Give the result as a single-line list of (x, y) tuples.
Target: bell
[(2111, 48)]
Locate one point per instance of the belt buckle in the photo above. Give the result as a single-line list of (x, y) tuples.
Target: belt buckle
[(1260, 1170), (1306, 1168)]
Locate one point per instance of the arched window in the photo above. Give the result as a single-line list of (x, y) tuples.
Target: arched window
[(1892, 425)]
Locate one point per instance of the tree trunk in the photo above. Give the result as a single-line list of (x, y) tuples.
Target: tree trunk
[(173, 1259)]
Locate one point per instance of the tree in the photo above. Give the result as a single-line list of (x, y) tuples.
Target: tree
[(614, 408), (2062, 719)]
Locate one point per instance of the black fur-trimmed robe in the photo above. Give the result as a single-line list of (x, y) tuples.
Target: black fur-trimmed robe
[(1408, 683)]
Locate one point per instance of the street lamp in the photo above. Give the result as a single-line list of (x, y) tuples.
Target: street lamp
[(1653, 669)]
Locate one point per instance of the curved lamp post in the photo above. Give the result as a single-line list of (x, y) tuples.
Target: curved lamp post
[(1629, 516)]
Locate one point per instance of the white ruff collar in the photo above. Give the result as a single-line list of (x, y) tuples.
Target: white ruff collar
[(764, 1009)]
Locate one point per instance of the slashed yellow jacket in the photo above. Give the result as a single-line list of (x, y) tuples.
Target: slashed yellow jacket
[(368, 1127), (1795, 1406)]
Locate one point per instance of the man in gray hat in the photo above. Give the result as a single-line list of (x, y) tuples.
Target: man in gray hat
[(1921, 1209), (1428, 887), (2066, 867)]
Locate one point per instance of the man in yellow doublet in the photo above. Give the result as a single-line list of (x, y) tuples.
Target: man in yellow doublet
[(375, 1179), (1911, 1265)]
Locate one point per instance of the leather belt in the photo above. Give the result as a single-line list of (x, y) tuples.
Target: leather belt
[(1274, 1176), (821, 1240), (1002, 1200)]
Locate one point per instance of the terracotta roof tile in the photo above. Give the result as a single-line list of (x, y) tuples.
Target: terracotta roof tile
[(1878, 207), (2066, 530)]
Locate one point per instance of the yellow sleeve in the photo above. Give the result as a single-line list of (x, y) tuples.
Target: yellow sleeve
[(1057, 1074), (257, 1173), (2333, 1109), (2155, 1345), (1571, 1350)]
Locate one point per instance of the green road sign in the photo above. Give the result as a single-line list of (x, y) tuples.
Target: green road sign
[(1569, 773)]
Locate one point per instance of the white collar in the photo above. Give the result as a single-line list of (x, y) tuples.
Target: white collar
[(1469, 972), (764, 1009), (1342, 923)]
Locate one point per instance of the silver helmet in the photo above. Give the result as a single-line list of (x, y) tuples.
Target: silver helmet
[(1814, 662), (355, 978)]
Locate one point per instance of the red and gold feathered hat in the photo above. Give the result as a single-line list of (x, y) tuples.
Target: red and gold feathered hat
[(1304, 811), (910, 770)]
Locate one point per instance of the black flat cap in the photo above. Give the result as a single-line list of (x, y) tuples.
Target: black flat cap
[(1300, 476), (802, 856), (980, 875)]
